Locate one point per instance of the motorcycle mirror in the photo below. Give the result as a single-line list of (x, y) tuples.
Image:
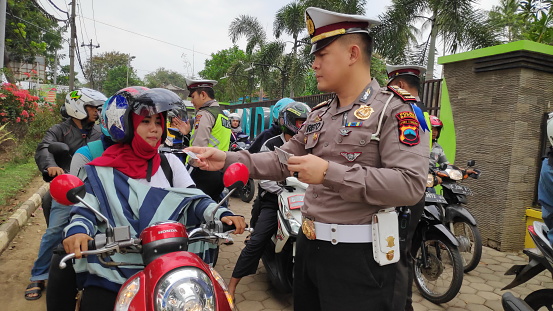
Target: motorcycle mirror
[(65, 188), (471, 163), (58, 148), (443, 166), (236, 176)]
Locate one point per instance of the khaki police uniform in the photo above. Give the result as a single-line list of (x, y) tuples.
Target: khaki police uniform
[(210, 129), (377, 159), (413, 213)]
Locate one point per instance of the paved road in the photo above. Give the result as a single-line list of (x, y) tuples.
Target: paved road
[(480, 290)]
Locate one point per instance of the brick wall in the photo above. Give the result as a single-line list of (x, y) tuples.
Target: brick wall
[(497, 117)]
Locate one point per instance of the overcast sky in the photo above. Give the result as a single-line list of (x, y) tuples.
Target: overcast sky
[(184, 26)]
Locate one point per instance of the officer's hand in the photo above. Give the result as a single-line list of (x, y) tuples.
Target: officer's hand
[(182, 126), (238, 222), (54, 171), (209, 158), (76, 244), (310, 168)]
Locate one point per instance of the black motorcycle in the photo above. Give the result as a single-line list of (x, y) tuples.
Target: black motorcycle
[(438, 268), (540, 259), (456, 217), (247, 193), (62, 157)]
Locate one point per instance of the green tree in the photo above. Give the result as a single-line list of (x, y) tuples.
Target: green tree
[(63, 76), (290, 19), (30, 32), (538, 15), (162, 77), (249, 27), (507, 21), (116, 79), (230, 64), (342, 6), (456, 22), (101, 64)]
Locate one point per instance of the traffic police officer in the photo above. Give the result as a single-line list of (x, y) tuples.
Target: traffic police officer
[(211, 128), (361, 152), (408, 77)]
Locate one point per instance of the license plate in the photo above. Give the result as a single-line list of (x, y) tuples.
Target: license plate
[(434, 198), (458, 189)]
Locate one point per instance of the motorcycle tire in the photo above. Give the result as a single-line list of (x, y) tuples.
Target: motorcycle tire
[(468, 234), (542, 298), (280, 267), (248, 191), (445, 284)]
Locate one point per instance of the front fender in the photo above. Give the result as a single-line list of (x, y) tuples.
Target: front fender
[(524, 273), (440, 229), (455, 211)]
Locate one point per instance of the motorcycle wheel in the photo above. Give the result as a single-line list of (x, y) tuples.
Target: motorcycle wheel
[(539, 299), (280, 267), (247, 193), (441, 280), (470, 243)]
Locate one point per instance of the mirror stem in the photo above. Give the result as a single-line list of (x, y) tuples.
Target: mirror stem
[(98, 214), (220, 203)]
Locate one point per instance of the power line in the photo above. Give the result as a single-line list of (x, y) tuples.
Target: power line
[(94, 21), (43, 7), (139, 34), (53, 4), (82, 23)]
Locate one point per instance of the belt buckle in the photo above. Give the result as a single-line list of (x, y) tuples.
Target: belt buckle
[(308, 228)]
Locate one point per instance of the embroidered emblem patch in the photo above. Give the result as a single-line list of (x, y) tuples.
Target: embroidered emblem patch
[(197, 121), (354, 124), (364, 112), (408, 127), (350, 156), (344, 132), (313, 127)]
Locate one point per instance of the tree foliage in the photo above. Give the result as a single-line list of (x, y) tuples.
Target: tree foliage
[(100, 65), (116, 79), (30, 32), (162, 77)]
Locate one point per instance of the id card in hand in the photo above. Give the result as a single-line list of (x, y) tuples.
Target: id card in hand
[(283, 156)]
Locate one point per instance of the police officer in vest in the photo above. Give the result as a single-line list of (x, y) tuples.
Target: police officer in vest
[(211, 128), (363, 153), (408, 77)]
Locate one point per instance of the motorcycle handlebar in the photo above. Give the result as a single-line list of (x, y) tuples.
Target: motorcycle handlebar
[(106, 249)]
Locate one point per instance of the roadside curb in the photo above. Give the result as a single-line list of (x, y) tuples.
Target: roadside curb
[(18, 219)]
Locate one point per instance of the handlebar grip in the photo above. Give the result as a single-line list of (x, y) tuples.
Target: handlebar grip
[(46, 177), (91, 245), (228, 227)]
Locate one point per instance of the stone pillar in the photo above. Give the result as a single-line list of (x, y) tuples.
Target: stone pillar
[(498, 97)]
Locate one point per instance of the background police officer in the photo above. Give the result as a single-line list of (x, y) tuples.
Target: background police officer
[(211, 128), (360, 152)]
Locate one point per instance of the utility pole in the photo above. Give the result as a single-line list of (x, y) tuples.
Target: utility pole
[(72, 47), (56, 68), (3, 4), (91, 46)]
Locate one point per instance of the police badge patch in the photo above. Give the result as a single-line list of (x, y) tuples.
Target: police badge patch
[(350, 156), (408, 127), (313, 127)]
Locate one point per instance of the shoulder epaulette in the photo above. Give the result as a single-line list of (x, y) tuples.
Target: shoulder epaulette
[(403, 94), (321, 105)]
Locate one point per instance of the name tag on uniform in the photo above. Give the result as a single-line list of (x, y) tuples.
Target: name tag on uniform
[(313, 127)]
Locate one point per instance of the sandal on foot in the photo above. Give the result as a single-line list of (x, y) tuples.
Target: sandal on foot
[(34, 288)]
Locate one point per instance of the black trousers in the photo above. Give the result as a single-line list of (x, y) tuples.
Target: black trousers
[(342, 277), (211, 183), (405, 273), (265, 228), (62, 286), (98, 299)]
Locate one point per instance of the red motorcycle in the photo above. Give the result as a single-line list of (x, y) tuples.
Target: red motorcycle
[(172, 278)]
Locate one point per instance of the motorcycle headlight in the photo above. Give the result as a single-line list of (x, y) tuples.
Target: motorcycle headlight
[(430, 181), (185, 289), (221, 282), (454, 174), (126, 295)]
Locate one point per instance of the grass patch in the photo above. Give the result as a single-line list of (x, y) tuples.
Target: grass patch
[(14, 177)]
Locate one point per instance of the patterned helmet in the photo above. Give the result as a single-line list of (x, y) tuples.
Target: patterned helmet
[(118, 113), (278, 107), (76, 101), (435, 122), (291, 115), (132, 91)]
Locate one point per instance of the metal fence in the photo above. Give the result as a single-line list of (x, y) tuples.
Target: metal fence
[(430, 95)]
